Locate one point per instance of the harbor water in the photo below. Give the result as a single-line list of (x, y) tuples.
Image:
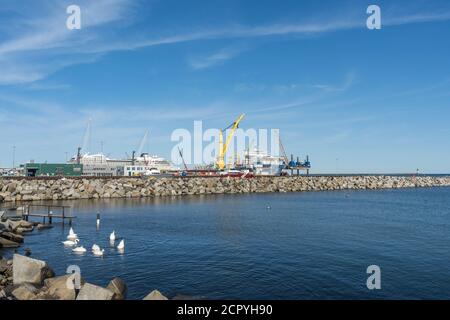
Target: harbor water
[(311, 245)]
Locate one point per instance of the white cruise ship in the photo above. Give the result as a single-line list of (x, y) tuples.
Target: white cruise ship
[(262, 163)]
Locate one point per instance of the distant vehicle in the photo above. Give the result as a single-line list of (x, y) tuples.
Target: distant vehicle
[(245, 173), (152, 172)]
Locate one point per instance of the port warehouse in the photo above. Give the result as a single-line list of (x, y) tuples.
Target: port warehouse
[(78, 170), (52, 169)]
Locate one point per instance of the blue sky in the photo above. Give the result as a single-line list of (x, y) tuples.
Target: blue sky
[(355, 100)]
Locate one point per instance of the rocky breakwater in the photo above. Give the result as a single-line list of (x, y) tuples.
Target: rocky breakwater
[(32, 279), (95, 188), (12, 232), (25, 278)]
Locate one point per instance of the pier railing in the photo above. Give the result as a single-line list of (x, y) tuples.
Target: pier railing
[(65, 212)]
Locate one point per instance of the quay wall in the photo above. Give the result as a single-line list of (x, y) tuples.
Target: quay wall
[(30, 189)]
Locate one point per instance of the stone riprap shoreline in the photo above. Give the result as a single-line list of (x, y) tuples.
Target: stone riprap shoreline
[(26, 189), (26, 278)]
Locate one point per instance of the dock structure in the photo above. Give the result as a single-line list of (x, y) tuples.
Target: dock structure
[(46, 212)]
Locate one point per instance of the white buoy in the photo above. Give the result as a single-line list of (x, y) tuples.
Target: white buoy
[(98, 220)]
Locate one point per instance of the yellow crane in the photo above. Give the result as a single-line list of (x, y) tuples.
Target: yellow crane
[(224, 147)]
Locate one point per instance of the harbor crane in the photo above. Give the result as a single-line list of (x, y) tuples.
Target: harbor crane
[(142, 144), (224, 147), (182, 159), (283, 153), (292, 164)]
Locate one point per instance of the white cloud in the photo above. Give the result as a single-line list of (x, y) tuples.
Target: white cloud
[(214, 59), (39, 44), (342, 87)]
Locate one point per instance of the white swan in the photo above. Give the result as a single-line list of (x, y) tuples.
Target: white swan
[(112, 236), (95, 247), (121, 245), (98, 252), (72, 235), (79, 249), (70, 243)]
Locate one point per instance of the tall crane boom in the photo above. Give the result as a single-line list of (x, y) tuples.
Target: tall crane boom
[(283, 153), (142, 144), (223, 148), (86, 144), (182, 159)]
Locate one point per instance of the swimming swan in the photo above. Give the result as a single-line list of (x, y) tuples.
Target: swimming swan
[(97, 251), (70, 243), (72, 235), (121, 245), (80, 249), (112, 236)]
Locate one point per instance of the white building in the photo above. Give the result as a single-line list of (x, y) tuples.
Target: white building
[(139, 170), (101, 166)]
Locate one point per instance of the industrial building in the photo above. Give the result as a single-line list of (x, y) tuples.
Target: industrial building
[(52, 169)]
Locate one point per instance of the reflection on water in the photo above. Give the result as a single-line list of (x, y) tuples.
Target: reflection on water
[(262, 246)]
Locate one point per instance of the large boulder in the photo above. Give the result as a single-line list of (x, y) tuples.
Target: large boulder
[(12, 237), (17, 224), (92, 292), (155, 295), (30, 270), (13, 225), (4, 267), (25, 291), (119, 288), (59, 288), (25, 224), (21, 230), (5, 243)]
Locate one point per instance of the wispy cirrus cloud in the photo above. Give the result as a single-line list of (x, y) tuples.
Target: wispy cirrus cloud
[(39, 44), (344, 86), (217, 58)]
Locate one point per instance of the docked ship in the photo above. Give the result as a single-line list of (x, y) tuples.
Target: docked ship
[(262, 163), (101, 165), (155, 162)]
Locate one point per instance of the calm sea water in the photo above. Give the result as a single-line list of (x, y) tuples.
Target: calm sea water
[(314, 245)]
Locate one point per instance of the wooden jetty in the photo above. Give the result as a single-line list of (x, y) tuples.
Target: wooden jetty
[(46, 212)]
